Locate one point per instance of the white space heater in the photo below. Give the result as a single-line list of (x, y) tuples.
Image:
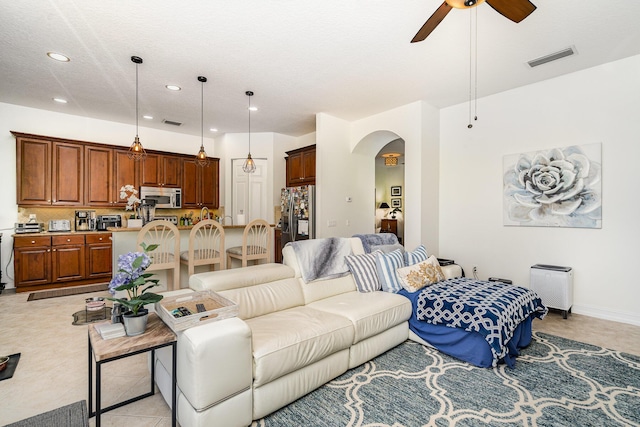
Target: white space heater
[(554, 285)]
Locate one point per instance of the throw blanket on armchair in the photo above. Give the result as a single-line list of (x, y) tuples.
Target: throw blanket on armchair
[(492, 309), (322, 258)]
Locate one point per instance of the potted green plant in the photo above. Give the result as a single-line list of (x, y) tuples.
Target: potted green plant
[(132, 278)]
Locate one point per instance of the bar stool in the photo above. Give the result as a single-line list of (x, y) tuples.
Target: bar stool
[(206, 246), (256, 244), (167, 255)]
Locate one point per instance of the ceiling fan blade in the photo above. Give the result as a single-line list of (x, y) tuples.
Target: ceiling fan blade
[(432, 22), (516, 10)]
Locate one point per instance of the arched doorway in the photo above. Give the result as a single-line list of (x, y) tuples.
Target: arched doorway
[(389, 181)]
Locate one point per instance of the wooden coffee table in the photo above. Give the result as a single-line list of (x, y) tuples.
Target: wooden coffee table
[(156, 336)]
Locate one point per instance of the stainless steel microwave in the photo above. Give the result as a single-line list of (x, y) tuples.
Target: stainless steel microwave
[(165, 197)]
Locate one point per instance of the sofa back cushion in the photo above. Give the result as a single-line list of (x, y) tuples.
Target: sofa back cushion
[(320, 289), (265, 298), (239, 277)]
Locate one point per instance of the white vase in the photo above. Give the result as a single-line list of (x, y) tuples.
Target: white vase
[(135, 324)]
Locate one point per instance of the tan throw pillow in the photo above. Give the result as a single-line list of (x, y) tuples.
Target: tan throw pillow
[(417, 276)]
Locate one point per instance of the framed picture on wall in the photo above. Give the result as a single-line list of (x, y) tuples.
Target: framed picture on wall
[(396, 191), (396, 203)]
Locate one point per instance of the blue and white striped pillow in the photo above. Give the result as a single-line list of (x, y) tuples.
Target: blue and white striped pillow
[(363, 268), (387, 264), (418, 255)]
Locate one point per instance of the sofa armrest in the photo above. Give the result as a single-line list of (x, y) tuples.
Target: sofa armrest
[(452, 271), (215, 362)]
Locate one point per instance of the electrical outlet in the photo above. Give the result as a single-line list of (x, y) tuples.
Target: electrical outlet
[(332, 223)]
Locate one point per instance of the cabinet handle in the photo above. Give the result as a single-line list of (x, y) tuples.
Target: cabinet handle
[(48, 250), (68, 240), (100, 239), (53, 250)]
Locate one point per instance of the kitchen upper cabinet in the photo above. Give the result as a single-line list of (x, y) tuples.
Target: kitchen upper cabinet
[(125, 171), (200, 184), (49, 173), (301, 166), (106, 171), (99, 176), (161, 170)]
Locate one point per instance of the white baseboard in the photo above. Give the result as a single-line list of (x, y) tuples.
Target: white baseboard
[(606, 314)]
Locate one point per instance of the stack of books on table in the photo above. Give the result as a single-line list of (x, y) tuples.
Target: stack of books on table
[(110, 330)]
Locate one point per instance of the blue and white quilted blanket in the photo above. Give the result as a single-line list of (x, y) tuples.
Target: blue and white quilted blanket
[(493, 309)]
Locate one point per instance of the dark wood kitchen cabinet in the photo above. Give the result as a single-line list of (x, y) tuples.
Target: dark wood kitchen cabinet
[(106, 171), (61, 260), (32, 261), (67, 258), (161, 170), (49, 173), (301, 166), (98, 256), (200, 184)]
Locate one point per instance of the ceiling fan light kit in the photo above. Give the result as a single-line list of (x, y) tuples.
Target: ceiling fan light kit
[(515, 10)]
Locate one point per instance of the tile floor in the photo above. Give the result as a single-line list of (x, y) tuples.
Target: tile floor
[(52, 371)]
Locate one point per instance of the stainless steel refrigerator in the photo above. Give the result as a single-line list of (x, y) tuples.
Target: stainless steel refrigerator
[(298, 213)]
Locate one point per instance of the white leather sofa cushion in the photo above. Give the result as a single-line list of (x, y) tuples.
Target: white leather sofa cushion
[(321, 289), (288, 340), (239, 277), (370, 312), (254, 301)]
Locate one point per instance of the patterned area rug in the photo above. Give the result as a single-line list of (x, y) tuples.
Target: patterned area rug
[(556, 382)]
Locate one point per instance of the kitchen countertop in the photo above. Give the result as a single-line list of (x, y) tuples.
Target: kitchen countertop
[(180, 227), (59, 233)]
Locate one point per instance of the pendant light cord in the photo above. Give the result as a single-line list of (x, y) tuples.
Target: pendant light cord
[(137, 99), (202, 114), (473, 69), (249, 122)]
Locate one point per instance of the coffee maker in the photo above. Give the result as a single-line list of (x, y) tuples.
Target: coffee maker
[(85, 220)]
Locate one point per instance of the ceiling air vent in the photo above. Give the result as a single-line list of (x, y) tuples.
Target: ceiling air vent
[(552, 57), (171, 122)]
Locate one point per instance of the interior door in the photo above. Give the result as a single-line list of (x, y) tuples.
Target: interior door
[(249, 191)]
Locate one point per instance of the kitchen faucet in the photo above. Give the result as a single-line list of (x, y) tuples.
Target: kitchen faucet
[(204, 208)]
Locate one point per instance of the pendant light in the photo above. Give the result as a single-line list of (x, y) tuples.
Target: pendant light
[(136, 151), (201, 157), (249, 165)]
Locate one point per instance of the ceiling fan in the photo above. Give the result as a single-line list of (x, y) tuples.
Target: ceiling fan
[(515, 10)]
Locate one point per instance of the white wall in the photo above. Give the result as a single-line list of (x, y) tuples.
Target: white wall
[(601, 104)]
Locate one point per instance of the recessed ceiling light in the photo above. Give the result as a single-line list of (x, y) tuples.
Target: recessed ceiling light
[(147, 117), (213, 130), (58, 57), (173, 87), (60, 100), (253, 108)]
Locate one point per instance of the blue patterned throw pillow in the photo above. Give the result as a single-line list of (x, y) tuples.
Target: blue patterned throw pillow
[(387, 264), (363, 268), (418, 255)]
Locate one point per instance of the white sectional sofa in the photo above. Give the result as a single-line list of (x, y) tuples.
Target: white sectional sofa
[(289, 338)]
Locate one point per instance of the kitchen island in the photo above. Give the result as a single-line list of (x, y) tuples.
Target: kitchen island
[(124, 240)]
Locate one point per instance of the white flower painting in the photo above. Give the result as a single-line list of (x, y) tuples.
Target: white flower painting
[(560, 187)]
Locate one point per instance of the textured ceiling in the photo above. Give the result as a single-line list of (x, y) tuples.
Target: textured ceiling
[(350, 59)]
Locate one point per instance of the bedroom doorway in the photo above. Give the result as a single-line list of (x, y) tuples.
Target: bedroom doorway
[(389, 184)]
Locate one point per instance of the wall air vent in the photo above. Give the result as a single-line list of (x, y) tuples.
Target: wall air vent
[(171, 122), (552, 57)]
